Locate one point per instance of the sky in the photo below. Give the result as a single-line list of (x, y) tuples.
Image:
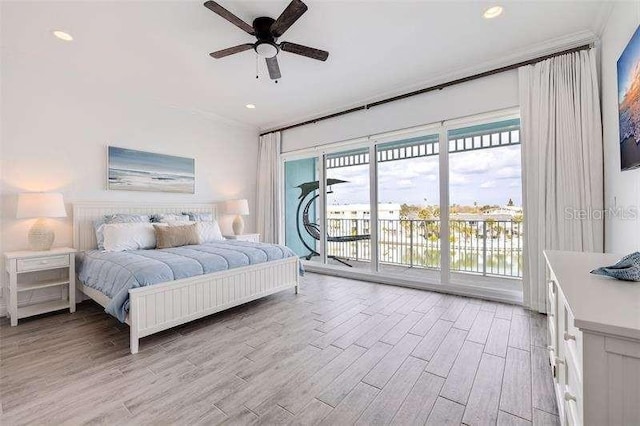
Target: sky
[(629, 59), (487, 176), (130, 159)]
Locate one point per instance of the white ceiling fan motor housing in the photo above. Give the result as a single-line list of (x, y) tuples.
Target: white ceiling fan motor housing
[(266, 50)]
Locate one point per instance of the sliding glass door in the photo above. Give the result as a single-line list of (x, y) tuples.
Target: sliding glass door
[(485, 201), (409, 206), (348, 209), (400, 206)]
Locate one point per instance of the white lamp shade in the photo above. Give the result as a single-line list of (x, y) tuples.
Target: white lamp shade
[(239, 207), (40, 204)]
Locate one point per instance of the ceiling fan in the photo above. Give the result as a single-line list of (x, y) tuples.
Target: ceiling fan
[(267, 31)]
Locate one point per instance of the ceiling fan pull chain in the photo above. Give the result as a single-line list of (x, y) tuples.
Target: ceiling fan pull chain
[(257, 69)]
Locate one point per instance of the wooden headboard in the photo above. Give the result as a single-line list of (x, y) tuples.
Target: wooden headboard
[(84, 215)]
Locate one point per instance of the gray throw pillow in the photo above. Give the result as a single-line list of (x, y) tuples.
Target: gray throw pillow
[(169, 217), (199, 217)]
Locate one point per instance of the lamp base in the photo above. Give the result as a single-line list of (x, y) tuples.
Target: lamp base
[(41, 236), (238, 225)]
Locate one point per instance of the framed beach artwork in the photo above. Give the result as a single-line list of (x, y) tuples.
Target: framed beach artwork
[(132, 170), (629, 103)]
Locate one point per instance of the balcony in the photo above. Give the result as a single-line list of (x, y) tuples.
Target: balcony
[(481, 247)]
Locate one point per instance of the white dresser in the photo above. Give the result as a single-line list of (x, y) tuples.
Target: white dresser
[(594, 341)]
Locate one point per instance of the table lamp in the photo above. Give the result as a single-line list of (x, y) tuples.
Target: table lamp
[(40, 205), (238, 208)]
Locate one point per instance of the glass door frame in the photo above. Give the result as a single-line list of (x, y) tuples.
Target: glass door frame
[(371, 142)]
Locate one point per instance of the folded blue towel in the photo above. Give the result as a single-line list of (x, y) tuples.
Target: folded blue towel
[(627, 269)]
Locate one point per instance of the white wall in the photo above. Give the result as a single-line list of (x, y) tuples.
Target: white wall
[(497, 92), (622, 189), (54, 137)]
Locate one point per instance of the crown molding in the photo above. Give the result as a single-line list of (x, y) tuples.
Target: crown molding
[(540, 49), (602, 19)]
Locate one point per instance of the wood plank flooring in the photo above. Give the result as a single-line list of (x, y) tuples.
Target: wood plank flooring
[(341, 352)]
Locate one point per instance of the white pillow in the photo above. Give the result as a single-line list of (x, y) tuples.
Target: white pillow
[(129, 236), (209, 232)]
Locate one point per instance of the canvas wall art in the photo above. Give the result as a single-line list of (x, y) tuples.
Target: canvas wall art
[(629, 103), (133, 170)]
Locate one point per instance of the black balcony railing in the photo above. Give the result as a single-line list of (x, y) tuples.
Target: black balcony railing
[(486, 247)]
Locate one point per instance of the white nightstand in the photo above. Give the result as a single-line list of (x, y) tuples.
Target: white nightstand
[(19, 263), (255, 238)]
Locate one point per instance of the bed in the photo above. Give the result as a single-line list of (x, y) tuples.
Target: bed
[(153, 308)]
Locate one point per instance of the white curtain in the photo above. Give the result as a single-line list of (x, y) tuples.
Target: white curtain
[(268, 208), (562, 163)]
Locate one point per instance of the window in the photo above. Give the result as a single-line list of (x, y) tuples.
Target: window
[(452, 217), (485, 199)]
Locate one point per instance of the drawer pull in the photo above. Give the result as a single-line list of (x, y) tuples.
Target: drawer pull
[(568, 336), (559, 361), (569, 396)]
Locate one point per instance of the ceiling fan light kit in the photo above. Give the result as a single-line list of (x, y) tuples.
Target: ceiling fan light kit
[(266, 31)]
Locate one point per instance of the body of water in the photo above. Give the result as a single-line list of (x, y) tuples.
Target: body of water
[(136, 180)]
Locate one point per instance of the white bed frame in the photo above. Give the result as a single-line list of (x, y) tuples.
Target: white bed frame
[(162, 306)]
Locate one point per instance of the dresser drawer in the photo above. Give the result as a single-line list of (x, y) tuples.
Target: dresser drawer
[(571, 413), (552, 290), (573, 377), (572, 395), (571, 338), (553, 334), (552, 299), (39, 263), (573, 389), (555, 369)]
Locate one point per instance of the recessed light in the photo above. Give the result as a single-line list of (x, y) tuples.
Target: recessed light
[(62, 35), (493, 12), (250, 106)]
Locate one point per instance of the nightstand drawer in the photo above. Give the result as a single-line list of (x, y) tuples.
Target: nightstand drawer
[(39, 263)]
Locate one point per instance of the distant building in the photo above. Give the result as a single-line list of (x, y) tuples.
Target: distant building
[(506, 210), (389, 211)]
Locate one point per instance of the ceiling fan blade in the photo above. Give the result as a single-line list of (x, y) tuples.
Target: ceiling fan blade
[(309, 52), (216, 8), (231, 50), (288, 17), (274, 68)]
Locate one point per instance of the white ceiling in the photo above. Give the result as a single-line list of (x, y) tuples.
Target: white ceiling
[(159, 50)]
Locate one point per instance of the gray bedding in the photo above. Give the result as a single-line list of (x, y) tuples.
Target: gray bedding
[(114, 274)]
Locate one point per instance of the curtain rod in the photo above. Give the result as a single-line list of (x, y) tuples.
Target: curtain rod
[(432, 88)]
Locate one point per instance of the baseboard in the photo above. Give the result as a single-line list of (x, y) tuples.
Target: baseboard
[(510, 297)]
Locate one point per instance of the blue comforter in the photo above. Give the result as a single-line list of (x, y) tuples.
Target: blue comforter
[(114, 274)]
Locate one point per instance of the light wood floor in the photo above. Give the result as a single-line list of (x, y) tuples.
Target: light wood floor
[(341, 352)]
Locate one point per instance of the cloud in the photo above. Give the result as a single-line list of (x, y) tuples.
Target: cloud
[(488, 184), (487, 176)]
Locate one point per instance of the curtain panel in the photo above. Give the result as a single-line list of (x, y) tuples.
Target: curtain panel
[(562, 163), (268, 208)]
